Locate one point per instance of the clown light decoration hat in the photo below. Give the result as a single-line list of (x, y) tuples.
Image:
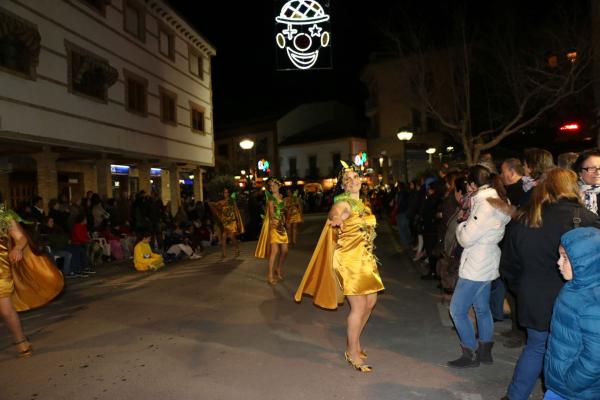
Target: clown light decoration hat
[(303, 33)]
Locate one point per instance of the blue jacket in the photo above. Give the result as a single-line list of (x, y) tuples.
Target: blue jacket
[(572, 365)]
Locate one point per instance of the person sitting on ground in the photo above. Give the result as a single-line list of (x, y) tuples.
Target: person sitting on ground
[(177, 246), (144, 258), (572, 365)]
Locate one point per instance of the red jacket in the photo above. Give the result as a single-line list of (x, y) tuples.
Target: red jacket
[(79, 234)]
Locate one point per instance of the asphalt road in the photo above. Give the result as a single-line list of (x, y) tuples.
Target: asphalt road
[(208, 330)]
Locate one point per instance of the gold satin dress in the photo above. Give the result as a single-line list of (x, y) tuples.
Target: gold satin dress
[(7, 286), (292, 206), (31, 282), (343, 263), (271, 233)]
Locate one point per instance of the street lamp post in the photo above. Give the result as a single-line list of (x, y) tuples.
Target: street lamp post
[(247, 144), (404, 136), (430, 151)]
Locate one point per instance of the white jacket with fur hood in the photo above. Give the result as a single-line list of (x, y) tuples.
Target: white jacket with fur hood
[(480, 234)]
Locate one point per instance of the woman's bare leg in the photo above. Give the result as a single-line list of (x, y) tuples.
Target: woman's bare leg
[(358, 309), (371, 301), (223, 239), (11, 318), (282, 255), (272, 260), (236, 244)]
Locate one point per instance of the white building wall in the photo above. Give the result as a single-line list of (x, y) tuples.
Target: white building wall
[(324, 151), (44, 109), (311, 115)]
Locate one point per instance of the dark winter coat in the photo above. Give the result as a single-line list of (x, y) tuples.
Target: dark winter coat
[(528, 262), (572, 365)]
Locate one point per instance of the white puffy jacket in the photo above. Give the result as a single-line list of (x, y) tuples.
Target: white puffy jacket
[(480, 234)]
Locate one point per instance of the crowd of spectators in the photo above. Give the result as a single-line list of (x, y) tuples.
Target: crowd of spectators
[(492, 232)]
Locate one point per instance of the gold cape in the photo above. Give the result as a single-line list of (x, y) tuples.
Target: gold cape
[(343, 263), (319, 279), (32, 282)]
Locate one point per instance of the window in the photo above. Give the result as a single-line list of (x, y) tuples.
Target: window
[(262, 146), (19, 45), (97, 5), (293, 169), (89, 75), (223, 150), (166, 43), (335, 158), (134, 19), (168, 106), (196, 64), (313, 171), (136, 89), (197, 117)]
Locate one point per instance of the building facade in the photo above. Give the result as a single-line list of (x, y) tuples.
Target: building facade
[(394, 104), (109, 96)]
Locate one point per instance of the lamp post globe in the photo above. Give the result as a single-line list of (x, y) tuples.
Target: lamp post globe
[(246, 144), (404, 135)]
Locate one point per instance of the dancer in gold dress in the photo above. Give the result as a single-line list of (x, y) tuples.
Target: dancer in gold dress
[(229, 220), (293, 211), (273, 240), (27, 280), (343, 264)]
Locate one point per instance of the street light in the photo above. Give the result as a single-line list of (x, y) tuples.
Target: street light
[(404, 136), (431, 151), (247, 145)]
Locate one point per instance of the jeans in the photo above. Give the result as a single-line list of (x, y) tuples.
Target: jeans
[(403, 230), (477, 294), (550, 395), (497, 294), (66, 256), (529, 366), (80, 259)]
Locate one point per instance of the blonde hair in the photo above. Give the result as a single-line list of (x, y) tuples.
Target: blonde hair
[(558, 183)]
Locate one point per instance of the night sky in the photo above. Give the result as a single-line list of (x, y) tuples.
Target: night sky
[(246, 83), (245, 80)]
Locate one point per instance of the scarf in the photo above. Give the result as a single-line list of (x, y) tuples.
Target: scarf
[(528, 183), (590, 195)]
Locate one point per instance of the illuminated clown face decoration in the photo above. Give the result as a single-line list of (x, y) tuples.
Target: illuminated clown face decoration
[(302, 37)]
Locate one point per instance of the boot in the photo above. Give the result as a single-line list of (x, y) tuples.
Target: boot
[(484, 352), (467, 360)]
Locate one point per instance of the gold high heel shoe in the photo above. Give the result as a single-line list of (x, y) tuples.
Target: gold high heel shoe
[(24, 347), (363, 355), (359, 367), (271, 281)]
